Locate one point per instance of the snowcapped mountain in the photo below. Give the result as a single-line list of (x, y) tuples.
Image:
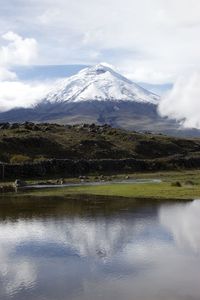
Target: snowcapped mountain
[(100, 83), (98, 95)]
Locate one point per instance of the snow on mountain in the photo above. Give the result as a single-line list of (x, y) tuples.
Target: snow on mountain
[(100, 83)]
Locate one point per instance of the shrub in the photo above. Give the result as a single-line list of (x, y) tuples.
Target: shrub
[(19, 159), (176, 183)]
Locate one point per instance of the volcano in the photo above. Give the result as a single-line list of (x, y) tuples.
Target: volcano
[(100, 95)]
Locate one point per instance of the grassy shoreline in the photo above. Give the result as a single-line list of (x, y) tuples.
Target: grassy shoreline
[(166, 176), (189, 189), (143, 191)]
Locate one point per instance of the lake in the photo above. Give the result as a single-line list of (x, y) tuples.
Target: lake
[(88, 248)]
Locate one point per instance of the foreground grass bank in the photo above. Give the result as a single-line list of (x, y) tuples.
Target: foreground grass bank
[(146, 190), (188, 187)]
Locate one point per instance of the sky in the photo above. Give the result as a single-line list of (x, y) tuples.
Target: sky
[(155, 42)]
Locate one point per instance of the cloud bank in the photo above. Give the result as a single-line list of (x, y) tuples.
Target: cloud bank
[(17, 50), (152, 41), (183, 101), (19, 94)]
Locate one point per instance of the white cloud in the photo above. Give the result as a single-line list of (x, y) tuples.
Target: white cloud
[(183, 101), (15, 50), (20, 94), (148, 74), (156, 37), (5, 74), (18, 50)]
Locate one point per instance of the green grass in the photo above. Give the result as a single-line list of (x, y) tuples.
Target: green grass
[(160, 191), (163, 190)]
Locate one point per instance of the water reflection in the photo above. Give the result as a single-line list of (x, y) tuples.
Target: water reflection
[(183, 222), (99, 248)]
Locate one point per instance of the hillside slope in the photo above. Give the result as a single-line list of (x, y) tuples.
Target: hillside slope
[(35, 142)]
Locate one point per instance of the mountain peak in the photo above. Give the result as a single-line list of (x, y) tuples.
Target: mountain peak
[(102, 83), (98, 69), (103, 68)]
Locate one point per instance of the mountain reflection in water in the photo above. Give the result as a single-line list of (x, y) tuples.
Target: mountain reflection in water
[(99, 248)]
